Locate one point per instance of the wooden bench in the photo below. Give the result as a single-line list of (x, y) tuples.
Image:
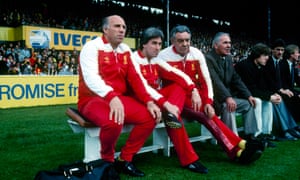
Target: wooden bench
[(160, 138)]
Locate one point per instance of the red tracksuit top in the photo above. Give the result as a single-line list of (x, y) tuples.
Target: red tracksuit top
[(108, 72), (156, 70), (194, 65)]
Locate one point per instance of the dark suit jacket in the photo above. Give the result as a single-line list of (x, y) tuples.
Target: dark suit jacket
[(255, 78), (228, 84), (271, 75), (286, 78)]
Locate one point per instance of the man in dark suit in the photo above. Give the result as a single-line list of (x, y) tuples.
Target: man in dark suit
[(230, 93), (290, 79), (272, 65)]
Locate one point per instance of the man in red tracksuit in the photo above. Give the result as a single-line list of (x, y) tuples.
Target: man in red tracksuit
[(107, 75), (175, 93), (155, 70)]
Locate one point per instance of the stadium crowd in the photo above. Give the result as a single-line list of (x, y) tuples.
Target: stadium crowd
[(15, 58)]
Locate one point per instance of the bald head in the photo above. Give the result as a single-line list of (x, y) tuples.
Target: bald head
[(114, 29)]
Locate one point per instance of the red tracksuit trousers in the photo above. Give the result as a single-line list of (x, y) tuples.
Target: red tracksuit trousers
[(225, 136), (97, 111), (179, 137), (186, 154)]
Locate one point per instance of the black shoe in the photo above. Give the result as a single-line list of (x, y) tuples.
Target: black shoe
[(251, 137), (270, 144), (287, 137), (171, 120), (266, 140), (128, 168), (251, 153), (270, 137), (294, 133), (258, 143), (197, 167), (297, 128)]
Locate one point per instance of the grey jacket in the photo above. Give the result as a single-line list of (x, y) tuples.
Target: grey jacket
[(226, 82)]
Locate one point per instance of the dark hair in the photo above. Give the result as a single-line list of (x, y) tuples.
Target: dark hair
[(150, 33), (278, 43), (259, 49), (179, 29)]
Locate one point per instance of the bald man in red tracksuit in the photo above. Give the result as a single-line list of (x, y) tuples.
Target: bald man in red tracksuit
[(106, 73)]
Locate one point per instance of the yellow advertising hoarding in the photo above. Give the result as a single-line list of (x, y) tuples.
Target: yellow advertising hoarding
[(66, 39), (26, 91), (9, 34)]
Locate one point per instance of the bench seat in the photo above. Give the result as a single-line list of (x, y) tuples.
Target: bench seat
[(160, 138)]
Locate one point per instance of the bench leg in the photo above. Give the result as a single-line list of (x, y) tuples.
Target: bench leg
[(160, 136), (205, 132), (91, 147)]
